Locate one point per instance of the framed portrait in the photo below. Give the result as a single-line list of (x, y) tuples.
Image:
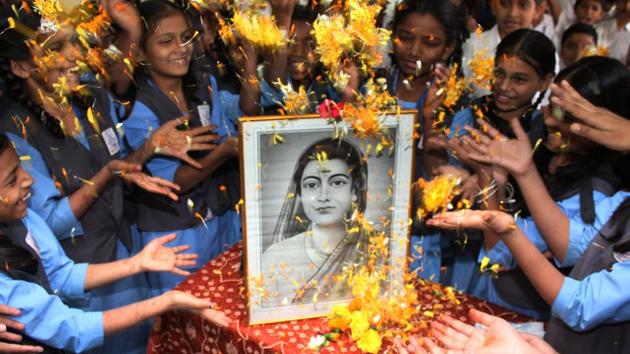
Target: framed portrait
[(304, 181)]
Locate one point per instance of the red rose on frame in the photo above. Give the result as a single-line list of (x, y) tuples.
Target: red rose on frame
[(329, 109)]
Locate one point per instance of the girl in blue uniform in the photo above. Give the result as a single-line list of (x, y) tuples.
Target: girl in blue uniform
[(570, 194), (204, 214), (524, 66), (426, 35), (37, 275), (73, 151)]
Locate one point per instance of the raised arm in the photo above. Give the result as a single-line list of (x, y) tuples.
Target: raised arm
[(516, 156), (125, 17), (276, 61)]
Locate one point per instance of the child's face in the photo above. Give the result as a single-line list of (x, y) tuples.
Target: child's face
[(168, 50), (420, 37), (15, 187), (575, 46), (514, 14), (302, 57), (516, 83), (54, 68), (589, 12)]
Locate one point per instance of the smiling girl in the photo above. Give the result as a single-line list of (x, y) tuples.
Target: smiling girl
[(69, 143), (569, 185), (203, 215), (37, 275)]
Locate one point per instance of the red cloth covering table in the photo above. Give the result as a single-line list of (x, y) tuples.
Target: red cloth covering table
[(221, 281)]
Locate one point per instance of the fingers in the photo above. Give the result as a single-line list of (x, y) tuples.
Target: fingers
[(400, 346), (490, 130), (179, 249), (458, 325), (164, 183), (432, 346), (414, 346), (189, 160), (217, 317), (16, 348), (200, 132), (478, 136), (449, 337), (518, 130), (9, 323), (165, 239), (590, 133), (482, 317), (180, 272), (12, 337), (9, 311)]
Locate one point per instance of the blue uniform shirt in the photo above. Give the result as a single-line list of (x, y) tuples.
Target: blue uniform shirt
[(580, 233), (601, 297), (46, 199), (45, 317)]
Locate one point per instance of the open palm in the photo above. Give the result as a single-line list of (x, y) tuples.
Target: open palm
[(514, 155), (157, 257), (484, 220)]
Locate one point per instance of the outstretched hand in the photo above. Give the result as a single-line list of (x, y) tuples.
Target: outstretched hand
[(484, 220), (595, 123), (180, 300), (170, 141), (497, 336), (6, 337), (151, 184), (157, 257), (514, 155)]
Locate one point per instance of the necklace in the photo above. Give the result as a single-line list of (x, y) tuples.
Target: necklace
[(310, 244)]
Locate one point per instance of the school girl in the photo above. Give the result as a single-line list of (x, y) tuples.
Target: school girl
[(204, 215), (38, 275), (571, 193), (73, 151), (427, 35)]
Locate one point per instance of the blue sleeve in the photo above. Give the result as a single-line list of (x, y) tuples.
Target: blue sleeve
[(460, 120), (581, 233), (601, 297), (65, 277), (269, 96), (48, 320), (230, 111), (138, 128), (46, 199), (500, 253)]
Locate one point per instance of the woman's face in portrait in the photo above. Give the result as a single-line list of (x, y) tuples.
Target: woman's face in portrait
[(327, 193)]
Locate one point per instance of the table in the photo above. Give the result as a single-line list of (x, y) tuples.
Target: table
[(221, 281)]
